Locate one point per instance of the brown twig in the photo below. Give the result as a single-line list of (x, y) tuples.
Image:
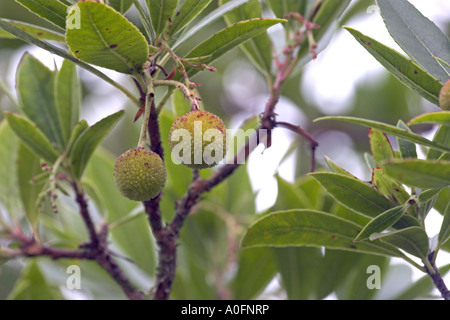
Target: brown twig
[(437, 278)]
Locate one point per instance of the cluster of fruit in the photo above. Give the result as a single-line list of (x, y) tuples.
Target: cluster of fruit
[(140, 174)]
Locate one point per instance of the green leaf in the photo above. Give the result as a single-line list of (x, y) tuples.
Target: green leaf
[(36, 86), (79, 129), (419, 37), (51, 10), (441, 137), (160, 12), (210, 18), (121, 5), (289, 196), (88, 141), (37, 31), (405, 70), (353, 193), (9, 194), (337, 169), (188, 10), (32, 285), (413, 240), (381, 222), (68, 98), (407, 149), (282, 7), (389, 129), (256, 268), (55, 50), (420, 173), (389, 187), (28, 166), (310, 228), (32, 137), (107, 39), (230, 37), (257, 48), (440, 117), (298, 268), (380, 146), (444, 233)]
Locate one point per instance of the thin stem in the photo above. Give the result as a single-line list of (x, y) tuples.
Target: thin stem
[(313, 143)]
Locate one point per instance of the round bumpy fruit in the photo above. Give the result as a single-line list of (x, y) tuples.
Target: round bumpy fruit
[(198, 140), (140, 174)]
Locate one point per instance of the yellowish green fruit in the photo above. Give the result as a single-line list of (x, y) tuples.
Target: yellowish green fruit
[(444, 97), (198, 140), (140, 174)]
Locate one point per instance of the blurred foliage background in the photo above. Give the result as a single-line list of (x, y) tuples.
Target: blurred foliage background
[(236, 92)]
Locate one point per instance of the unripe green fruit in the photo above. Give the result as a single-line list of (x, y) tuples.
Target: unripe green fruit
[(444, 97), (140, 174), (198, 139)]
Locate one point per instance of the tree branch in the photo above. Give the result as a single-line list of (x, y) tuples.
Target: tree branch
[(437, 278)]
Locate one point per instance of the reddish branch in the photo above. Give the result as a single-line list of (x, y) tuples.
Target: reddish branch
[(167, 235), (96, 249)]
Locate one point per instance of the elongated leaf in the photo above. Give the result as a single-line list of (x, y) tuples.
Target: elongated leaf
[(121, 5), (298, 270), (160, 12), (441, 117), (413, 240), (389, 129), (231, 37), (55, 50), (381, 222), (37, 31), (28, 166), (380, 146), (417, 36), (407, 149), (106, 38), (257, 48), (310, 228), (444, 233), (256, 268), (389, 187), (353, 193), (32, 137), (88, 141), (53, 11), (282, 7), (9, 193), (79, 129), (337, 169), (68, 98), (441, 137), (420, 173), (186, 13), (210, 18), (35, 86), (32, 285), (405, 70)]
